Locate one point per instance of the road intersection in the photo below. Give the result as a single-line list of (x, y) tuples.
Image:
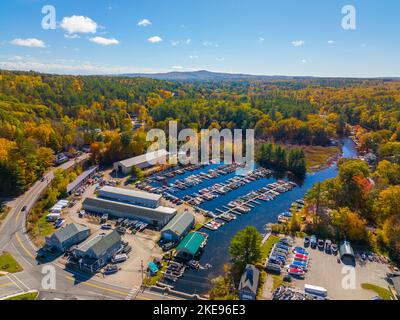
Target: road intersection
[(68, 284)]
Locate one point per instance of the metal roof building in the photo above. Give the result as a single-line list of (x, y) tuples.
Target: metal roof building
[(68, 236), (97, 252), (134, 197), (191, 245), (81, 180), (178, 227), (347, 253), (142, 162), (157, 217), (248, 285)]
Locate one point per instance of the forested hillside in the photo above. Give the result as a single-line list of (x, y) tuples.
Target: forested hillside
[(44, 114)]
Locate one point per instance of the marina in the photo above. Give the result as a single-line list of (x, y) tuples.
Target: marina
[(217, 250)]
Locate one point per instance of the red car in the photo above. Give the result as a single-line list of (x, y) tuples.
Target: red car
[(296, 272), (301, 257)]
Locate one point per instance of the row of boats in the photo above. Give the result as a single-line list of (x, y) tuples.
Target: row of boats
[(244, 204), (222, 188), (149, 184), (284, 217)]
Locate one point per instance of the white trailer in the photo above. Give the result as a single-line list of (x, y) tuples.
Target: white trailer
[(315, 290)]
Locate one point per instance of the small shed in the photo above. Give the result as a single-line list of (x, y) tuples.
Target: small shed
[(347, 253)]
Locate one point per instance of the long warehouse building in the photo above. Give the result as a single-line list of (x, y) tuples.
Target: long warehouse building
[(130, 204), (139, 198), (143, 161)]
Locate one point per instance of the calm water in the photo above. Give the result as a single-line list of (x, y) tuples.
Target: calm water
[(216, 252)]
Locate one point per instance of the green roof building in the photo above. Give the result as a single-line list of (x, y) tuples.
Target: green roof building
[(191, 246), (178, 227)]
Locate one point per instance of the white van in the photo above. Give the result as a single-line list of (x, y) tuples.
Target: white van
[(57, 210), (315, 290), (53, 217), (119, 258)]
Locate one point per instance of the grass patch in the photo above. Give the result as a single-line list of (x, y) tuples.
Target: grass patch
[(25, 296), (152, 281), (9, 264), (43, 228), (267, 246), (4, 210), (318, 156), (382, 292)]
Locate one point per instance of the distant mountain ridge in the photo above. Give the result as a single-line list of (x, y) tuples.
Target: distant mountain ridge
[(204, 75)]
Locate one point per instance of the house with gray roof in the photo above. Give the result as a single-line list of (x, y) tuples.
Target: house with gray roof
[(98, 251), (67, 237), (178, 227), (248, 285)]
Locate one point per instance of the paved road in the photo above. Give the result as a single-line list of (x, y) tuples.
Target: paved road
[(68, 285)]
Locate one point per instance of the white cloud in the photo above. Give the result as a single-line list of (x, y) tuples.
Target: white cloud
[(79, 24), (104, 41), (178, 42), (71, 67), (331, 41), (261, 39), (30, 42), (297, 43), (210, 44), (154, 39), (304, 61), (71, 36), (144, 23), (193, 57), (177, 67)]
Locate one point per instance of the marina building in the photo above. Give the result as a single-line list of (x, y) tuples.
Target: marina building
[(68, 236), (97, 252), (190, 247), (248, 285), (114, 206), (178, 227), (144, 161), (138, 198), (81, 180)]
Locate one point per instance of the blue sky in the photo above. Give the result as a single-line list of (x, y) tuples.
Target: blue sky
[(279, 37)]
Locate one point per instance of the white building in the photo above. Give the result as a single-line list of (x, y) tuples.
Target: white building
[(138, 198), (144, 161)]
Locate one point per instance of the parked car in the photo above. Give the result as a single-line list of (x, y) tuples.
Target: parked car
[(334, 248), (313, 242), (127, 249), (296, 272), (121, 230), (58, 224), (328, 246), (273, 268), (168, 246), (111, 269), (106, 227), (321, 244), (306, 241), (285, 241)]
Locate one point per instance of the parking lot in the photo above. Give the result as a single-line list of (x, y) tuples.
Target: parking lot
[(325, 271)]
